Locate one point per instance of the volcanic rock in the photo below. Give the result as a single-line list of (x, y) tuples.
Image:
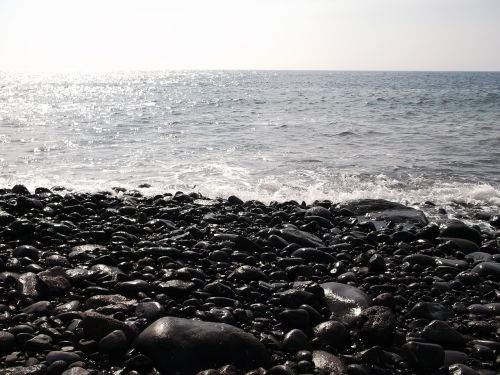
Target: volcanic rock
[(173, 343), (344, 301)]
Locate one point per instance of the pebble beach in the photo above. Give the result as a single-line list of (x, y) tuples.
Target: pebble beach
[(117, 282)]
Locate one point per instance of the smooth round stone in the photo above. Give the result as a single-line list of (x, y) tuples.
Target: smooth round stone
[(441, 333), (68, 306), (321, 221), (20, 190), (461, 369), (58, 355), (430, 310), (249, 273), (450, 262), (7, 342), (95, 326), (453, 356), (295, 318), (54, 281), (355, 369), (114, 343), (39, 342), (328, 362), (173, 343), (108, 299), (296, 340), (313, 255), (301, 238), (246, 245), (132, 286), (385, 211), (491, 269), (423, 357), (469, 278), (56, 368), (344, 301), (478, 256), (464, 245), (319, 211), (295, 297), (458, 229), (76, 371), (377, 264), (149, 310), (331, 334), (26, 251), (219, 289), (420, 259), (234, 200), (279, 370)]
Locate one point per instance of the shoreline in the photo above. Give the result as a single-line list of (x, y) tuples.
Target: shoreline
[(96, 282)]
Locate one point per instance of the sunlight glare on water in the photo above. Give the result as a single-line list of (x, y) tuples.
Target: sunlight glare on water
[(262, 135)]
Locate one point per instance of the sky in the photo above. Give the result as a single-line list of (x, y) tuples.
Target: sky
[(95, 35)]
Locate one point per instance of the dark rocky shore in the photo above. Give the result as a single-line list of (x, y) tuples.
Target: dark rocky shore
[(107, 284)]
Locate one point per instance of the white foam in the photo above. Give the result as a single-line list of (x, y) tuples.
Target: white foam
[(219, 180)]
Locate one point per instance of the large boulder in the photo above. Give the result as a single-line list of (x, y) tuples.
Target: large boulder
[(381, 211), (183, 346), (346, 302)]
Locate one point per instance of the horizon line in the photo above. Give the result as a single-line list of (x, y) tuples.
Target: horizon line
[(146, 70)]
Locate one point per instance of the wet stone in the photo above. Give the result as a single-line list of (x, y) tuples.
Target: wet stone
[(95, 326), (28, 285), (377, 325), (25, 370), (57, 355), (423, 357), (301, 238), (7, 342), (172, 343), (440, 332), (91, 283), (114, 343), (315, 255), (39, 342), (249, 273), (54, 281), (331, 334), (176, 288), (461, 369), (458, 229), (26, 251), (430, 310), (344, 301), (296, 340), (76, 371), (490, 269), (328, 362), (149, 310)]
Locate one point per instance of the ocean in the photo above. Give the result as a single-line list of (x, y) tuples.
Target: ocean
[(409, 137)]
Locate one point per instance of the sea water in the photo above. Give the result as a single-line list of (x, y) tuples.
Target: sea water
[(268, 135)]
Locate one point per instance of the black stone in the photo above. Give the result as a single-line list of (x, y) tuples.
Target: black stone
[(173, 343), (423, 357)]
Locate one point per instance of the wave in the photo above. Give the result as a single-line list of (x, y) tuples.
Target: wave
[(219, 180)]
